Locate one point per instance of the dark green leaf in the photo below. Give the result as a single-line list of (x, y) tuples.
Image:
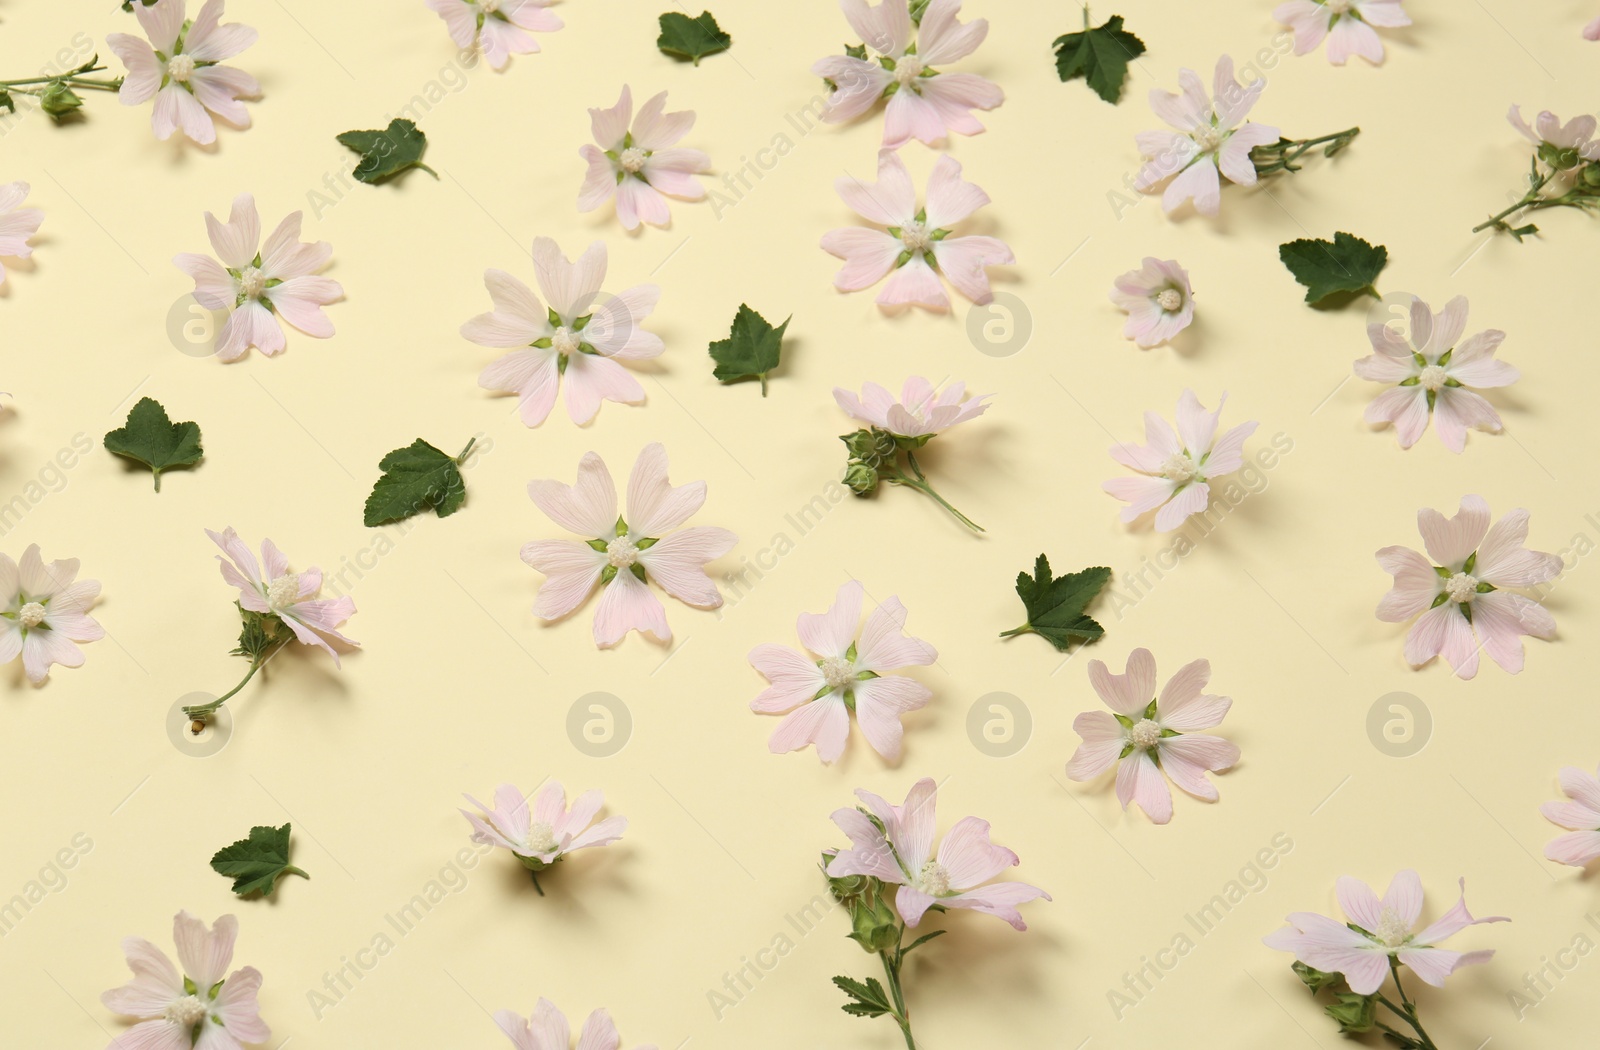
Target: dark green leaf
[(258, 633), (1345, 264), (692, 39), (387, 153), (149, 437), (255, 863), (1055, 604), (870, 1000), (752, 348), (1100, 55), (416, 478)]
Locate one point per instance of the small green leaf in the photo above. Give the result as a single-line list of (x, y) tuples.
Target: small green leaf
[(1055, 604), (1344, 264), (751, 351), (258, 633), (691, 39), (149, 437), (869, 1000), (416, 478), (1100, 55), (387, 153), (256, 863)]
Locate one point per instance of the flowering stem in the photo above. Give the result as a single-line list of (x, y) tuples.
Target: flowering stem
[(1281, 155), (74, 79), (1531, 199), (1407, 1012), (201, 712), (895, 476), (892, 959)]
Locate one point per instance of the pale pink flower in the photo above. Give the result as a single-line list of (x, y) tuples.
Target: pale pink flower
[(1157, 299), (925, 103), (639, 164), (179, 68), (895, 844), (1383, 930), (582, 335), (290, 596), (916, 243), (1430, 372), (46, 610), (1174, 470), (1209, 137), (547, 1029), (17, 223), (1592, 30), (846, 667), (204, 1007), (1347, 25), (1148, 734), (1580, 815), (1459, 589), (258, 287), (499, 28), (623, 555), (921, 412), (548, 831), (1576, 135)]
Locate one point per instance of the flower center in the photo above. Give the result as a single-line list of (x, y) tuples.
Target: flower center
[(1392, 929), (622, 552), (1461, 587), (541, 837), (1207, 137), (1144, 734), (180, 68), (31, 615), (916, 236), (489, 6), (633, 159), (1180, 468), (186, 1012), (1170, 299), (1338, 7), (1432, 378), (565, 340), (838, 672), (933, 879), (908, 69), (283, 591), (252, 282)]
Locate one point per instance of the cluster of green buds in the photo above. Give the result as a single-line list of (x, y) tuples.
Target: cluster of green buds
[(1576, 175), (875, 458), (873, 922), (1355, 1013), (55, 94)]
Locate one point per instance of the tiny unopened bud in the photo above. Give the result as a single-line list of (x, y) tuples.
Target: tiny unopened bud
[(860, 478), (58, 100)]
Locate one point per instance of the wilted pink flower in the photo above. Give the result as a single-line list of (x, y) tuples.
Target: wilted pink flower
[(46, 610), (258, 287), (1576, 134), (17, 223), (921, 411), (915, 241), (1580, 815), (179, 68), (582, 335), (290, 596), (840, 673), (498, 27), (1383, 930), (1149, 734), (1210, 137), (1458, 588), (623, 555), (1174, 469), (1157, 299), (895, 844), (549, 831), (1347, 25), (638, 164), (925, 103), (205, 1007), (547, 1029)]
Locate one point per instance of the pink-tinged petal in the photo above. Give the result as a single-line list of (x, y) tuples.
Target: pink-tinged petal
[(1000, 900), (891, 201), (677, 564), (584, 809), (950, 198), (1454, 921), (1184, 707), (1191, 499), (460, 18), (1451, 540), (154, 986), (1473, 363), (913, 828), (41, 649), (915, 283), (1234, 157), (1403, 898), (518, 317), (1503, 561), (655, 507), (219, 89), (1383, 368), (573, 570), (532, 375), (1574, 816), (1455, 410), (1386, 13), (884, 646), (1334, 947), (1415, 584), (1443, 632), (208, 41), (868, 255), (299, 301), (1233, 100), (1308, 19), (1502, 618), (1592, 30), (879, 704), (1582, 787), (1351, 36), (1227, 455), (155, 1035), (599, 1033), (587, 507), (824, 722), (569, 287), (1199, 181), (1186, 759), (284, 256), (1446, 329), (145, 71), (235, 241), (592, 379), (1139, 781), (1196, 426), (871, 854), (1184, 112), (638, 202), (831, 633), (204, 953), (673, 171), (599, 179), (858, 85), (1362, 906), (627, 605), (604, 833), (500, 39), (654, 129), (609, 126), (1132, 691), (237, 1005), (615, 327), (1404, 406), (1433, 965), (252, 324), (161, 22), (75, 627), (955, 95), (1103, 741), (911, 116), (1142, 494), (213, 285), (795, 679), (885, 28), (176, 108), (964, 261), (1578, 849), (913, 904), (942, 38), (969, 857)]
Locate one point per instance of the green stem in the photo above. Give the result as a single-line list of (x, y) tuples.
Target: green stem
[(763, 384), (464, 451), (201, 712), (891, 970), (900, 478), (1410, 1007), (1024, 629), (1281, 155), (292, 870), (1529, 200), (535, 876)]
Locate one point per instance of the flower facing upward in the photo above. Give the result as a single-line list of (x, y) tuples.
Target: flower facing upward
[(258, 287), (925, 103), (1377, 931), (46, 610), (1460, 588), (1174, 469), (1148, 734), (205, 1007), (1157, 299), (1346, 24), (1431, 373), (547, 832), (547, 1029), (1580, 815), (179, 68), (581, 336), (639, 164), (921, 411), (1211, 136), (498, 27), (895, 844), (17, 223), (916, 243), (290, 596)]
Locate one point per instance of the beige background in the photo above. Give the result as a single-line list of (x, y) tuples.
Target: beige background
[(459, 687)]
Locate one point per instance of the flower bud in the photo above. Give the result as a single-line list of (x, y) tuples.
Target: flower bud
[(58, 100), (1313, 978), (861, 478), (1355, 1013), (1561, 158), (874, 925), (1590, 175), (860, 444)]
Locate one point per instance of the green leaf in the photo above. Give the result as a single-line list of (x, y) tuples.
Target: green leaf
[(149, 437), (870, 1000), (924, 939), (1345, 264), (1055, 604), (1100, 55), (255, 863), (258, 633), (387, 153), (688, 38), (416, 478), (752, 349), (7, 101)]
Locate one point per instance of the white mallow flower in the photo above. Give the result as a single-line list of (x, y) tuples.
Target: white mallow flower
[(46, 610)]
